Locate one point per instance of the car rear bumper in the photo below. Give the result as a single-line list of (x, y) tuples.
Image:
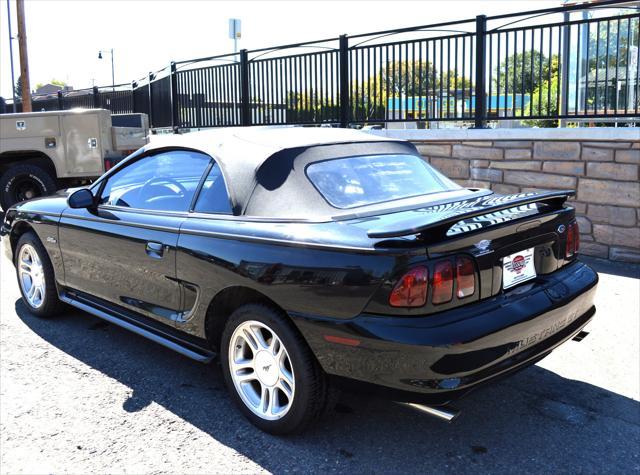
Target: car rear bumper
[(437, 358)]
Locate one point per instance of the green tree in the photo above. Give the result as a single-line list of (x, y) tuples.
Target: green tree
[(544, 99), (17, 88), (403, 79), (55, 82), (619, 36), (370, 97), (516, 72), (408, 78)]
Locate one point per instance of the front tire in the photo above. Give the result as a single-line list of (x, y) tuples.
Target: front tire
[(270, 372), (23, 182), (36, 278)]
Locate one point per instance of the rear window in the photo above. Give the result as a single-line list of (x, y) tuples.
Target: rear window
[(359, 181)]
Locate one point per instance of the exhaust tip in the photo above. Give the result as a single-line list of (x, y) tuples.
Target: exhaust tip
[(580, 336), (444, 413)]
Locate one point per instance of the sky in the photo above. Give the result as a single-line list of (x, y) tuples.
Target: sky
[(64, 37)]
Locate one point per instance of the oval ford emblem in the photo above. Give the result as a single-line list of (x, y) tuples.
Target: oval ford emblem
[(561, 228)]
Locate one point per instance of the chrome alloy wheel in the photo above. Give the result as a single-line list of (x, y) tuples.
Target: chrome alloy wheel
[(261, 370), (31, 275)]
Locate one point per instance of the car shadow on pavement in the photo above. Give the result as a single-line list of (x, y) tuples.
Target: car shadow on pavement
[(534, 421), (604, 266)]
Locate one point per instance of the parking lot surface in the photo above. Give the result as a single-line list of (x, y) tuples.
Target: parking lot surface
[(79, 395)]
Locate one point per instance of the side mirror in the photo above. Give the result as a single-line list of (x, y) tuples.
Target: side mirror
[(82, 198)]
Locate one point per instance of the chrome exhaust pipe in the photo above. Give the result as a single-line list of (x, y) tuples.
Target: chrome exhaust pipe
[(445, 413)]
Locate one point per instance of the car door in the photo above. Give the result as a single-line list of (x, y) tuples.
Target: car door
[(123, 250), (204, 263)]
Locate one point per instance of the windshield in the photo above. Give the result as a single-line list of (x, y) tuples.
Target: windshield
[(365, 180)]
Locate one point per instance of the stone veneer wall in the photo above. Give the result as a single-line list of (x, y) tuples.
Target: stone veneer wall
[(602, 164)]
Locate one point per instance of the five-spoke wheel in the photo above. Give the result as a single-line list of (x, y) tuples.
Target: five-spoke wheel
[(31, 276), (36, 278), (261, 370), (270, 371)]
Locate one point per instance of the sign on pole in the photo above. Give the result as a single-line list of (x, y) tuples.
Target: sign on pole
[(234, 32)]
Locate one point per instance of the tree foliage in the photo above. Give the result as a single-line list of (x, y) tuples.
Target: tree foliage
[(370, 98), (623, 33), (55, 82), (516, 72), (17, 88), (544, 99)]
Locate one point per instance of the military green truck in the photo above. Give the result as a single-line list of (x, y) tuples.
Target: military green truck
[(41, 152)]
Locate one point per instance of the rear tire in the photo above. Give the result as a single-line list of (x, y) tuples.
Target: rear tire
[(278, 394), (23, 182), (36, 278)]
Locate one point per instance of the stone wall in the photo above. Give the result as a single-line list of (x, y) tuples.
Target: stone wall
[(601, 164)]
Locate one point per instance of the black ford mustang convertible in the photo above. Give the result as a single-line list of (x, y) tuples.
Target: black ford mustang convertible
[(310, 259)]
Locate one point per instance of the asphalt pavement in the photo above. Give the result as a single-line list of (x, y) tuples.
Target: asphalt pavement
[(79, 395)]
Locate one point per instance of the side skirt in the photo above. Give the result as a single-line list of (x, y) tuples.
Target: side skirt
[(184, 348)]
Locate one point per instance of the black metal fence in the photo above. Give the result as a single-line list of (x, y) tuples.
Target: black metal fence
[(118, 99), (573, 63)]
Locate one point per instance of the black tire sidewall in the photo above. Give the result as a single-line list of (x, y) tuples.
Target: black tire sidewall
[(43, 180), (51, 304), (305, 369)]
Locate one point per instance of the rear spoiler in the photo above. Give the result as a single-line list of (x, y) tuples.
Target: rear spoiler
[(438, 219)]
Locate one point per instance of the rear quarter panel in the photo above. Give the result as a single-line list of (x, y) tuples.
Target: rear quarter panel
[(301, 275)]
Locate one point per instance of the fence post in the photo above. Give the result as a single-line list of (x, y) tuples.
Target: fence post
[(134, 85), (150, 101), (174, 97), (481, 73), (96, 98), (344, 81), (60, 101), (245, 111), (564, 68)]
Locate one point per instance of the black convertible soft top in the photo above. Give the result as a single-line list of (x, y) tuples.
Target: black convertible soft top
[(263, 167)]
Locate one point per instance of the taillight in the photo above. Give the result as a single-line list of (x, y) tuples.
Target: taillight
[(465, 277), (411, 290), (573, 239), (442, 288)]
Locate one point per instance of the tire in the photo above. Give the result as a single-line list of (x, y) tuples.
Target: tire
[(30, 248), (23, 182), (310, 391)]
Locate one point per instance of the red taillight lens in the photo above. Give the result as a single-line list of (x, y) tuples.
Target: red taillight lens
[(442, 290), (573, 239), (411, 290), (465, 277)]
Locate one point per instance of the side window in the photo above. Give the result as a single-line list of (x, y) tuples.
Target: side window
[(165, 181), (214, 197)]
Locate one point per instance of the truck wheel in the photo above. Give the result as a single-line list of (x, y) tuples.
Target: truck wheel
[(23, 182)]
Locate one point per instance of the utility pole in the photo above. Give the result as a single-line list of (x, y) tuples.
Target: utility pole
[(24, 60), (13, 79)]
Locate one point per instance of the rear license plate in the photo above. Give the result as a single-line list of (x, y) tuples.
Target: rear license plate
[(517, 268)]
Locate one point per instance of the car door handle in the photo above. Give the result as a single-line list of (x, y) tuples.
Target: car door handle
[(154, 249)]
